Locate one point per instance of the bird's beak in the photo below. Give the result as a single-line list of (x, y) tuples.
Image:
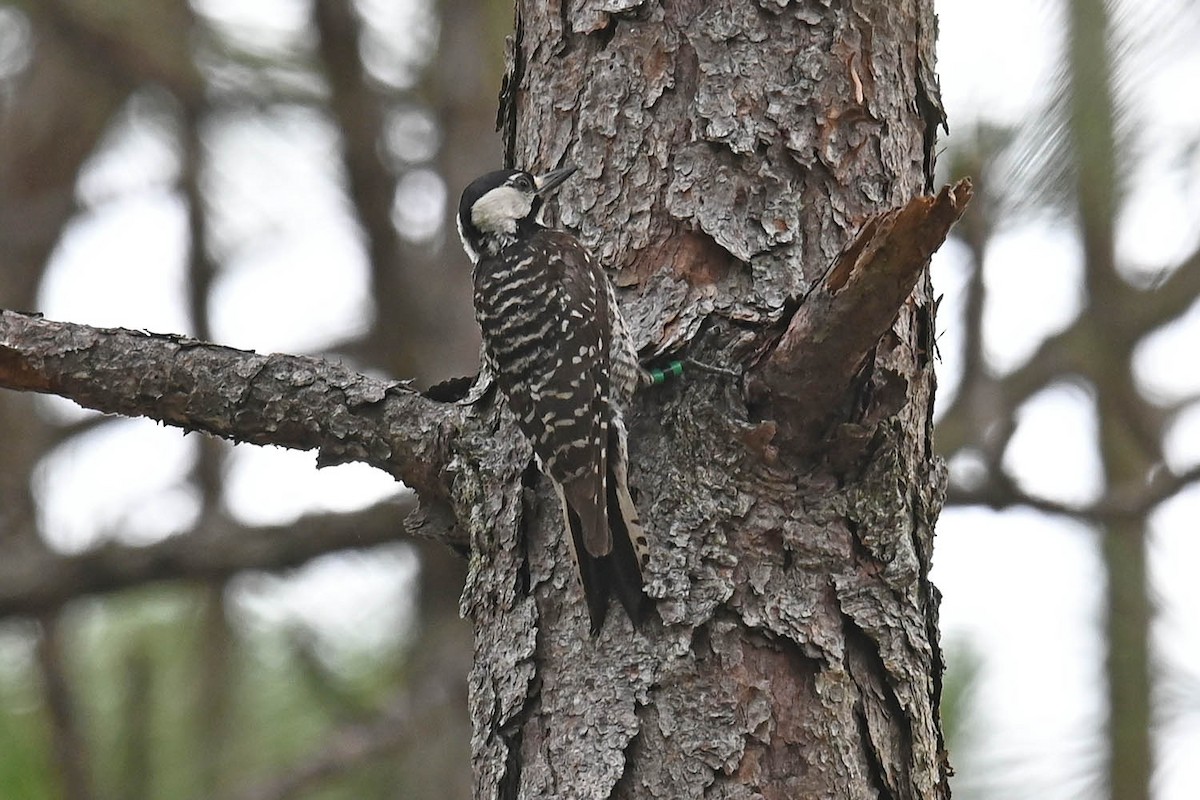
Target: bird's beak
[(548, 182)]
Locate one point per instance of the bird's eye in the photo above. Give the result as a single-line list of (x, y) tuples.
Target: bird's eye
[(523, 183)]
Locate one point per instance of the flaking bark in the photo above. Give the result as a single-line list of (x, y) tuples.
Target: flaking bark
[(289, 401), (728, 153)]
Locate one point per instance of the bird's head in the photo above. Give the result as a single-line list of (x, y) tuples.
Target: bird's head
[(498, 207)]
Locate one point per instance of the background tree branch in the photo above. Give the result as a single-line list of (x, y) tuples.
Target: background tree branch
[(35, 580), (188, 81)]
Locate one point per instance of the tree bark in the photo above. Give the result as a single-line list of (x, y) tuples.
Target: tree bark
[(738, 162), (728, 151)]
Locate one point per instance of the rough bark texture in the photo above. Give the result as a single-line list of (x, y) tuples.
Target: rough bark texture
[(728, 151), (289, 401)]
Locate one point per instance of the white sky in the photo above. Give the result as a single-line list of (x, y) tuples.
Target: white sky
[(1021, 588)]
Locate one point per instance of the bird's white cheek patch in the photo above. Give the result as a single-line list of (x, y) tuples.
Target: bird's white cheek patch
[(498, 210)]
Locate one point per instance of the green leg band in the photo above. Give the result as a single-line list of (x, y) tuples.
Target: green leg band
[(673, 370)]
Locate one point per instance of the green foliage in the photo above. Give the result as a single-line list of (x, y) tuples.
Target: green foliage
[(24, 739), (136, 666), (963, 664)]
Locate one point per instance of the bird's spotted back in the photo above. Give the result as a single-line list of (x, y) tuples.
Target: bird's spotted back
[(544, 289)]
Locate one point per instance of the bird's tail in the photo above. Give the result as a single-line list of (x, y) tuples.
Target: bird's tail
[(620, 571)]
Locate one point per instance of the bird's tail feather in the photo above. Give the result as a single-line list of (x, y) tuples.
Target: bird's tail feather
[(631, 550), (627, 559), (592, 574), (619, 572)]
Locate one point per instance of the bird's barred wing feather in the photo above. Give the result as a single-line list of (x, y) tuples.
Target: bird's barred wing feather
[(585, 341), (582, 456), (544, 311)]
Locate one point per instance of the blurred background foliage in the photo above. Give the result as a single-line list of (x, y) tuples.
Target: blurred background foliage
[(279, 175), (270, 175), (1074, 384)]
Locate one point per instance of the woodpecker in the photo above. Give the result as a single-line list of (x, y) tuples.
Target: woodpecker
[(558, 350)]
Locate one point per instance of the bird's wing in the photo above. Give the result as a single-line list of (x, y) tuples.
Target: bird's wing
[(576, 451)]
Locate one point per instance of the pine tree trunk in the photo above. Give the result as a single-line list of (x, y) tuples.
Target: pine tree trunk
[(728, 152)]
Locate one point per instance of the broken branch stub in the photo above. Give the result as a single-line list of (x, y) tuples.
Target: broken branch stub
[(805, 384)]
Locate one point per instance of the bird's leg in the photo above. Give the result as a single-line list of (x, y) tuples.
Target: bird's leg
[(674, 369)]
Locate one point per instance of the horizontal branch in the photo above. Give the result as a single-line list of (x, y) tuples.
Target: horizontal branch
[(805, 380), (290, 401), (33, 581), (1000, 492), (989, 403)]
